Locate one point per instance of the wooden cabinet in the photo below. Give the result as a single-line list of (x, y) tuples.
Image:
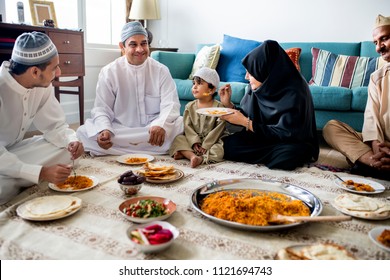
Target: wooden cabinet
[(70, 46)]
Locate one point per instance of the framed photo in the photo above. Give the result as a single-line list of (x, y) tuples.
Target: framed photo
[(42, 10)]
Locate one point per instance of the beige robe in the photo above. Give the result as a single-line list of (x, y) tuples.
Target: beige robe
[(376, 125), (201, 129)]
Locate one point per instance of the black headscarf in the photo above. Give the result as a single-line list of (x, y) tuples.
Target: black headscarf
[(282, 107)]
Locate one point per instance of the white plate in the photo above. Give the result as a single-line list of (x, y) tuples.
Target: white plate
[(24, 213), (123, 159), (379, 188), (214, 111), (375, 232), (169, 203), (94, 184)]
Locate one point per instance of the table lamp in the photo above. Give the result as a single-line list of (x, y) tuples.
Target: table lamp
[(144, 10)]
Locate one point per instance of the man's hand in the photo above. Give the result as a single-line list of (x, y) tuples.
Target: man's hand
[(55, 174), (382, 156), (157, 136), (76, 149), (104, 139)]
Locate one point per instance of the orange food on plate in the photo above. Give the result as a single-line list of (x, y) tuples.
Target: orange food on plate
[(216, 112), (76, 183), (252, 207), (136, 160), (384, 238), (359, 186)]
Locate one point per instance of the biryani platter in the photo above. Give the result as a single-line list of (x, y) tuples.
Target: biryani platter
[(250, 204)]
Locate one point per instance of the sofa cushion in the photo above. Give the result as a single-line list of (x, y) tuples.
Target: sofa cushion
[(294, 54), (208, 56), (359, 98), (233, 51), (329, 69), (305, 60), (331, 98), (179, 64)]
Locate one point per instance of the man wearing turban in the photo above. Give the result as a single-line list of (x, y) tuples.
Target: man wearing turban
[(137, 107), (369, 151), (26, 98)]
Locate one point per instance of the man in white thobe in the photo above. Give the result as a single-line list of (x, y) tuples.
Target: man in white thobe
[(27, 97), (136, 108)]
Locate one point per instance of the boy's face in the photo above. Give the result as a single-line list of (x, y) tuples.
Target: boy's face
[(200, 88)]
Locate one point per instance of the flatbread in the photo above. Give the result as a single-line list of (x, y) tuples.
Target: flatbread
[(314, 252), (358, 202), (50, 206), (362, 206)]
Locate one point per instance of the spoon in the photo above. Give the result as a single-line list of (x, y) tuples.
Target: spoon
[(345, 183), (281, 218)]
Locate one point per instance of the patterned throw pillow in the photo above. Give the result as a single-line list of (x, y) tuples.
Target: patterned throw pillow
[(294, 54), (329, 69), (208, 56)]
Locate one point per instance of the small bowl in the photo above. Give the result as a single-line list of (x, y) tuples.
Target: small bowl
[(131, 189), (158, 247)]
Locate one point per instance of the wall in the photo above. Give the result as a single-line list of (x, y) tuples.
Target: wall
[(185, 23)]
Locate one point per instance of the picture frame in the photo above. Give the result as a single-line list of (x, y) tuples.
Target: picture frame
[(42, 10)]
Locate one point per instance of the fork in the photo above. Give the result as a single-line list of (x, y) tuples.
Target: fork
[(74, 172)]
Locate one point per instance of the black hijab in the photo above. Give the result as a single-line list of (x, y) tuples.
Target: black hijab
[(282, 107)]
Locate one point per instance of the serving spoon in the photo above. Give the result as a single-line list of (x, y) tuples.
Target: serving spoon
[(294, 219)]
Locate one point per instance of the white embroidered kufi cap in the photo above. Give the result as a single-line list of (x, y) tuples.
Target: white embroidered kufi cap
[(33, 49), (381, 21), (209, 75)]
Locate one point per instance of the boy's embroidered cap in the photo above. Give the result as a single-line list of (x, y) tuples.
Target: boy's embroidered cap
[(209, 75)]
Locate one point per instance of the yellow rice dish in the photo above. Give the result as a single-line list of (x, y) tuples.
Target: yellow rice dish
[(251, 207)]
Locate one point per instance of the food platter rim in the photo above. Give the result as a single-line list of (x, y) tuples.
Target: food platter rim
[(317, 208)]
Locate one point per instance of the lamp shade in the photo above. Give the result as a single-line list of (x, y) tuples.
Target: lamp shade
[(144, 9)]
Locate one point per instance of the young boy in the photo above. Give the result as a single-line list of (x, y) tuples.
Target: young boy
[(201, 142)]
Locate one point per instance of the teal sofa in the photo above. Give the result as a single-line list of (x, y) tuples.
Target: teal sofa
[(330, 102)]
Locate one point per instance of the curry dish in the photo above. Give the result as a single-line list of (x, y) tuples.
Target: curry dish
[(136, 160), (76, 183), (359, 186), (384, 238), (251, 207)]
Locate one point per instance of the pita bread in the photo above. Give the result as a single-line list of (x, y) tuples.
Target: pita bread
[(49, 207), (362, 206), (358, 203), (315, 252), (158, 172)]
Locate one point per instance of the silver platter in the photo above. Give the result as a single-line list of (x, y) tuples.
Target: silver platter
[(295, 192)]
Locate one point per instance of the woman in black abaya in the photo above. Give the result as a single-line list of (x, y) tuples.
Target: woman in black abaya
[(276, 113)]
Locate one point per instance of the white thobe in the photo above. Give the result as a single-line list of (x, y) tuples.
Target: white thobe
[(129, 100), (21, 160)]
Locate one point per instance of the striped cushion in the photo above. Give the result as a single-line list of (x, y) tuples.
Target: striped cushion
[(329, 69)]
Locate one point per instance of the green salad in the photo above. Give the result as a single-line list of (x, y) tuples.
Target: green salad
[(146, 208)]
